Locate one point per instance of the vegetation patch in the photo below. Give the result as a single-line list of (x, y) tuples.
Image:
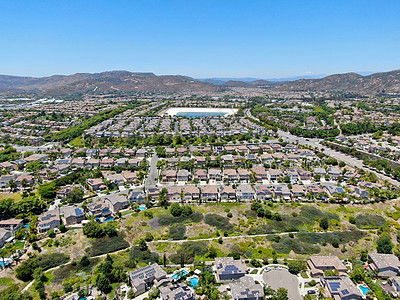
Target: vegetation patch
[(342, 237), (177, 232), (188, 251), (166, 220), (286, 244), (220, 222), (369, 221), (46, 261), (107, 244)]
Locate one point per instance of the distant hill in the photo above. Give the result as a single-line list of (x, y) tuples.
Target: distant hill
[(349, 82), (125, 81), (102, 82)]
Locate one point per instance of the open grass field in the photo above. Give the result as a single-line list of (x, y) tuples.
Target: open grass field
[(14, 196)]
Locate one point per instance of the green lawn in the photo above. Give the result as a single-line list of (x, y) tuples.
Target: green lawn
[(77, 142), (127, 212), (14, 196)]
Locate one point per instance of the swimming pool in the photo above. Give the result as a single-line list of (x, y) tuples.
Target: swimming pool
[(364, 289), (5, 263), (108, 220), (194, 281), (178, 275), (142, 207)]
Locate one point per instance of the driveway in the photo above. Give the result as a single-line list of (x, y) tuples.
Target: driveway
[(153, 172), (283, 279)]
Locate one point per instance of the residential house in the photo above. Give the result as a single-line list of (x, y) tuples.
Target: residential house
[(169, 176), (245, 288), (175, 291), (227, 193), (174, 193), (341, 288), (215, 174), (304, 175), (130, 177), (116, 179), (319, 171), (143, 278), (12, 224), (192, 193), (334, 173), (72, 215), (116, 202), (319, 264), (142, 153), (5, 180), (49, 220), (274, 174), (260, 173), (107, 163), (282, 191), (228, 269), (99, 209), (245, 192), (78, 162), (183, 175), (5, 236), (137, 196), (96, 184), (209, 193), (386, 265), (263, 192), (298, 191), (231, 175), (200, 175), (93, 163), (244, 175)]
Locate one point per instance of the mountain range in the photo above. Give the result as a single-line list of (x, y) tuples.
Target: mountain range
[(125, 81)]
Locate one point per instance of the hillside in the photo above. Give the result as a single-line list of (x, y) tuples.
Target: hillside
[(349, 82), (101, 82)]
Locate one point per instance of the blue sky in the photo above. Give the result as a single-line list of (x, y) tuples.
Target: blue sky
[(218, 38)]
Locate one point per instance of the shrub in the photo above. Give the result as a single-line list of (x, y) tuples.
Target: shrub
[(369, 221), (189, 250), (26, 269), (220, 222), (106, 245), (166, 220), (287, 244), (177, 232)]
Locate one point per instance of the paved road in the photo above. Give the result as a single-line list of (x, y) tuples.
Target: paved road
[(349, 160), (152, 176), (283, 279)]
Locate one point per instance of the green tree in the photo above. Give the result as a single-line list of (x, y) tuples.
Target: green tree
[(175, 210), (103, 283), (93, 230), (281, 294), (324, 223), (384, 244)]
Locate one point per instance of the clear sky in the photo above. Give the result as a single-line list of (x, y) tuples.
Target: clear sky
[(217, 38)]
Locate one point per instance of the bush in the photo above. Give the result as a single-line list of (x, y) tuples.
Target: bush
[(287, 244), (177, 232), (166, 220), (106, 245), (175, 210), (255, 263), (189, 250), (26, 269), (384, 244), (296, 266), (93, 230), (368, 221), (220, 222)]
